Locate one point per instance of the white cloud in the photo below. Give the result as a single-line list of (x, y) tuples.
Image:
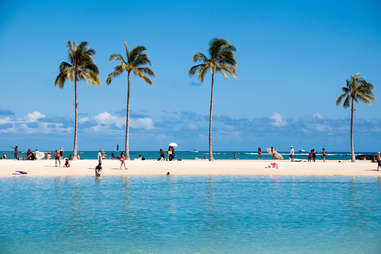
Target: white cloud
[(106, 118), (277, 120), (34, 116), (142, 123), (5, 120), (317, 115), (83, 119)]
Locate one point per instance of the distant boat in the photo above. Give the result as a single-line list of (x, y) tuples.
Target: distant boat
[(195, 150), (301, 151)]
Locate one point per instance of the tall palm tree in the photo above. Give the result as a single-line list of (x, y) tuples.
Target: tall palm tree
[(221, 59), (357, 89), (136, 62), (81, 66)]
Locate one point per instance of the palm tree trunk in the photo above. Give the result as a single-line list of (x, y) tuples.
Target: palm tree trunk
[(126, 148), (210, 121), (75, 118), (352, 144)]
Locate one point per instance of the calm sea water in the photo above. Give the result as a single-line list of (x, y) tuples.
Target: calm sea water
[(190, 215), (246, 155)]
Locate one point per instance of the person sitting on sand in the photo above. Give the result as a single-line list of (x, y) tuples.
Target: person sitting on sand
[(67, 164), (3, 156), (122, 160), (378, 159), (29, 155), (48, 156), (70, 157), (98, 170)]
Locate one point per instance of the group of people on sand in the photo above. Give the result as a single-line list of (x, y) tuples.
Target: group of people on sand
[(311, 155), (170, 153), (59, 155)]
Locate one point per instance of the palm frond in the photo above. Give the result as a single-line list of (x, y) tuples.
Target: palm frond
[(117, 71), (146, 71), (118, 57), (135, 53), (195, 68), (142, 76), (199, 57)]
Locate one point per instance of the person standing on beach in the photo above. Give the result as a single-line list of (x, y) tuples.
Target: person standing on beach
[(313, 155), (100, 157), (122, 160), (259, 153), (309, 156), (61, 153), (15, 152), (323, 154), (292, 152), (378, 159), (57, 158), (272, 153)]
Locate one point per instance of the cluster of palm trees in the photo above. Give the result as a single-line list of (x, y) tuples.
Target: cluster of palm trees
[(220, 59), (81, 66)]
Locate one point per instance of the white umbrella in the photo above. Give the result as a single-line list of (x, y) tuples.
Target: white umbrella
[(173, 144)]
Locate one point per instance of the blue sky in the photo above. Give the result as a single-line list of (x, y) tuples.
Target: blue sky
[(293, 57)]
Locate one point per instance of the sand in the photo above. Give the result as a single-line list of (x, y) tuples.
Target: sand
[(192, 167)]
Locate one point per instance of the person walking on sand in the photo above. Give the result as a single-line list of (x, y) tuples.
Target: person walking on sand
[(323, 154), (57, 158), (259, 153), (122, 160), (378, 159), (292, 152)]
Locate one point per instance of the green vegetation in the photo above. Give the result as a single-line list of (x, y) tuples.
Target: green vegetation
[(135, 62), (221, 59), (357, 89), (81, 67)]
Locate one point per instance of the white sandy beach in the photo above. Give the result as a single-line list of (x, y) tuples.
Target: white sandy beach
[(191, 167)]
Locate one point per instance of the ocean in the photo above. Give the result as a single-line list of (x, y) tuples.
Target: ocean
[(189, 155), (185, 214)]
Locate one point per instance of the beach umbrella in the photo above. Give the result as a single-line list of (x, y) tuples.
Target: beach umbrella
[(173, 144)]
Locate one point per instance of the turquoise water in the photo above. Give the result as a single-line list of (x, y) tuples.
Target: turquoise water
[(243, 155), (184, 214)]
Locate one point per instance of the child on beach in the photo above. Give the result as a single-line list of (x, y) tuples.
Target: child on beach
[(67, 164), (309, 156), (122, 160)]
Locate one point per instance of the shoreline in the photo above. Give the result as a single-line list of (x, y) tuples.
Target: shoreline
[(46, 168)]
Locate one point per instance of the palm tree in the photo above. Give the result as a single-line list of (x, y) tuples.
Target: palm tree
[(81, 66), (221, 59), (135, 62), (356, 89)]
